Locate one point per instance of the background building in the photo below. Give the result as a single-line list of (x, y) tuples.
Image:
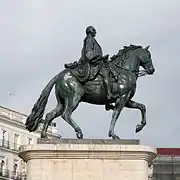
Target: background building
[(12, 135), (167, 164)]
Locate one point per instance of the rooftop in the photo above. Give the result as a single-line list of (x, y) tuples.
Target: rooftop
[(168, 151), (12, 115), (15, 116)]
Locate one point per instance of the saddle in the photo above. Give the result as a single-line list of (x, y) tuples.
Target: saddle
[(94, 61), (88, 72)]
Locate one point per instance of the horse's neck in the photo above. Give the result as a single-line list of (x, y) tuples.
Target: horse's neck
[(131, 63)]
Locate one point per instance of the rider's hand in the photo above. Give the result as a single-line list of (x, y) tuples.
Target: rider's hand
[(113, 57), (106, 57)]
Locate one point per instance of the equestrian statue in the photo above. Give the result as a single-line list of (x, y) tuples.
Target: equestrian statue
[(96, 80)]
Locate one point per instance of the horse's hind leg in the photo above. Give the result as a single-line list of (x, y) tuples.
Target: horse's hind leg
[(57, 111), (142, 108), (71, 103)]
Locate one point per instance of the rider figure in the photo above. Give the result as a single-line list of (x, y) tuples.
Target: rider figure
[(92, 52)]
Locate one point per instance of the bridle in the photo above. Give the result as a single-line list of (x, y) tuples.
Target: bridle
[(139, 73)]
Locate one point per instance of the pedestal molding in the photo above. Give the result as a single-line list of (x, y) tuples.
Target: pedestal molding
[(74, 151)]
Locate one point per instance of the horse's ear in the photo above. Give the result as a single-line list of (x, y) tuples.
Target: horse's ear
[(147, 47)]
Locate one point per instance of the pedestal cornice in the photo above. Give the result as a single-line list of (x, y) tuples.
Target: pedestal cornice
[(108, 150)]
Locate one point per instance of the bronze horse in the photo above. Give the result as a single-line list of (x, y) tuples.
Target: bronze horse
[(70, 92)]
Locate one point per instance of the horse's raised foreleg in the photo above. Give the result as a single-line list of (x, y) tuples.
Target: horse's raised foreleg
[(120, 103), (71, 103), (57, 111), (142, 108), (109, 107)]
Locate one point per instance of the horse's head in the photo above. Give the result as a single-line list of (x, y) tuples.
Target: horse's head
[(132, 57), (145, 60)]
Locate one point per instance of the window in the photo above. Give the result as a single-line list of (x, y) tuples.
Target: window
[(1, 166), (16, 141), (6, 167), (5, 139), (15, 166), (1, 137), (29, 140)]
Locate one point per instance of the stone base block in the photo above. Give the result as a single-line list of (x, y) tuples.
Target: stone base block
[(87, 160)]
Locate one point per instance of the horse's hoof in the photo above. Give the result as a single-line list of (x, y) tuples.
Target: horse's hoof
[(139, 127), (115, 137), (109, 107), (79, 135), (112, 135), (44, 136)]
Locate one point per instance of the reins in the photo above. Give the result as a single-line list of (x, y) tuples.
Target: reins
[(139, 73)]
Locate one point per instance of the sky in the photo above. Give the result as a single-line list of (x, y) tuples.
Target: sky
[(38, 37)]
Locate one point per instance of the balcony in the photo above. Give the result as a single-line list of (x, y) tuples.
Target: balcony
[(6, 175), (9, 146)]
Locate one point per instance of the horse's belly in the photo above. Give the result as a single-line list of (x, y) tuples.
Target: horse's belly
[(94, 92)]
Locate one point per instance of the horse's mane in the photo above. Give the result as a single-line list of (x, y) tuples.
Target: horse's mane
[(123, 54)]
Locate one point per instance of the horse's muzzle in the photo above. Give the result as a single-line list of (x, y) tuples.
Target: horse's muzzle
[(150, 71)]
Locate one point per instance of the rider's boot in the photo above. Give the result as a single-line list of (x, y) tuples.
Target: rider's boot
[(109, 95)]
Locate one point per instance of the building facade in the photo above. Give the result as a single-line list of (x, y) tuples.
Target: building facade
[(167, 164), (13, 135)]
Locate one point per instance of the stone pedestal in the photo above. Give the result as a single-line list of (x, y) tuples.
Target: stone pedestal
[(87, 160)]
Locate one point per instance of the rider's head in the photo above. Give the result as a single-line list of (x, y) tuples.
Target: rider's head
[(91, 30)]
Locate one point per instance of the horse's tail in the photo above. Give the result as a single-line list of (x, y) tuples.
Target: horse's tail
[(37, 112)]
